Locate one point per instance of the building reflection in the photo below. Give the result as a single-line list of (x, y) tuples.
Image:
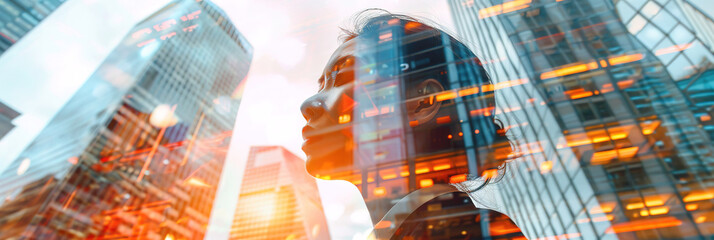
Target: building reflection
[(17, 18), (278, 200), (612, 120), (138, 151), (7, 114)]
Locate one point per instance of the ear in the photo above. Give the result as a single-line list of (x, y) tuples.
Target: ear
[(421, 104)]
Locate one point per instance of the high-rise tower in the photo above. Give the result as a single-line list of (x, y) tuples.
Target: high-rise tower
[(278, 199), (19, 17), (610, 148), (138, 151)]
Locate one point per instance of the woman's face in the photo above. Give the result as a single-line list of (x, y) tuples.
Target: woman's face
[(328, 132)]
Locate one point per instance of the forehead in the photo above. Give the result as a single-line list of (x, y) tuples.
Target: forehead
[(346, 49)]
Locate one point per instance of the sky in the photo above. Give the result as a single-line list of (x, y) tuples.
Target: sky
[(292, 41)]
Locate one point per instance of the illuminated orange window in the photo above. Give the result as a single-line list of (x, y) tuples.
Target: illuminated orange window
[(604, 157), (693, 197), (380, 191), (457, 178), (645, 224), (490, 173), (424, 183), (446, 96), (546, 166), (625, 59)]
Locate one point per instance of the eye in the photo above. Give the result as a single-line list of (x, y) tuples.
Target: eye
[(343, 73)]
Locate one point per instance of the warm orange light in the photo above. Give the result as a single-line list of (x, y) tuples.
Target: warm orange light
[(546, 166), (383, 224), (446, 96), (449, 136), (578, 93), (405, 173), (457, 178), (503, 8), (502, 228), (424, 183), (197, 182), (648, 203), (413, 123), (380, 191), (468, 91), (490, 173), (692, 207), (444, 119), (655, 211), (645, 224), (625, 83), (442, 167), (693, 197), (625, 59), (603, 157), (603, 208), (389, 176), (700, 219), (411, 25), (672, 49), (344, 118), (565, 71), (422, 170), (705, 118), (476, 131), (649, 127), (169, 237)]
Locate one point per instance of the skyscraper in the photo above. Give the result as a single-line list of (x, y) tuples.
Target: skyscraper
[(19, 17), (138, 151), (610, 149), (7, 114), (278, 199)]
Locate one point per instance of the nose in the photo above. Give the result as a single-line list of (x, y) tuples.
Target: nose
[(312, 108)]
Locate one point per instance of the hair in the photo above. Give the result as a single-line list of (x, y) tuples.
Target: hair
[(371, 19)]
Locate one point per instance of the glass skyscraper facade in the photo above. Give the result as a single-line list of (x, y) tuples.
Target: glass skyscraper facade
[(17, 17), (138, 151), (609, 144), (278, 200)]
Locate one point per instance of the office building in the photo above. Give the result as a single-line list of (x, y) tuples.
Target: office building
[(17, 18), (278, 199), (138, 151), (7, 114), (610, 148)]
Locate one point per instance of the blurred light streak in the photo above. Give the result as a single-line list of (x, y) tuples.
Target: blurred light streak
[(503, 8), (197, 183), (646, 224), (151, 155), (583, 67), (578, 93), (693, 197), (71, 197), (673, 49), (344, 118), (421, 170), (446, 96), (24, 166), (193, 139), (603, 157)]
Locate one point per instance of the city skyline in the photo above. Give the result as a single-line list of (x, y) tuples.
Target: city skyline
[(139, 149)]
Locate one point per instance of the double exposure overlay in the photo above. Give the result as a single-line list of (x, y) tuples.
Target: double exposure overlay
[(512, 120), (117, 161)]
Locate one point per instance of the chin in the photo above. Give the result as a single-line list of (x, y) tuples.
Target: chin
[(330, 163)]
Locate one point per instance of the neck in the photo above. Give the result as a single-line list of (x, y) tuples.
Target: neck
[(388, 214)]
